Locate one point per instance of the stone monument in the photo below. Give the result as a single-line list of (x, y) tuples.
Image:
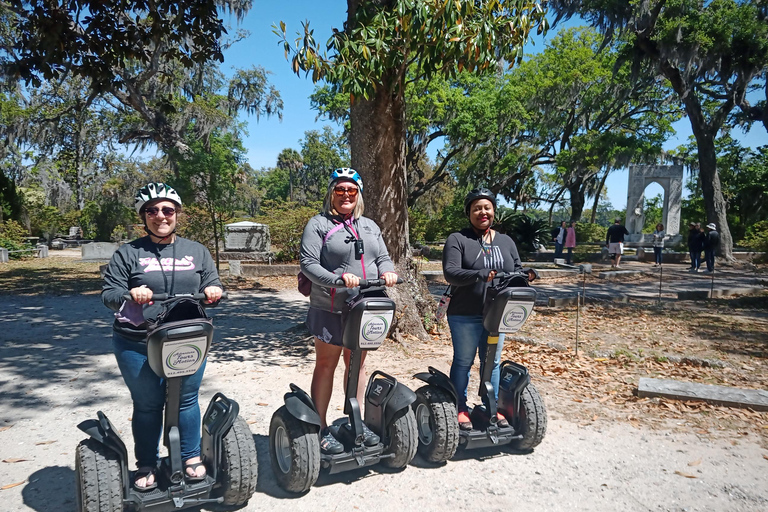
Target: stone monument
[(246, 241), (670, 177)]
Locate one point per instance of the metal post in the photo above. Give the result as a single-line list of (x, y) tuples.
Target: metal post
[(661, 273)]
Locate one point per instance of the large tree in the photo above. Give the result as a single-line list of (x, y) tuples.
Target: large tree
[(711, 52), (370, 59)]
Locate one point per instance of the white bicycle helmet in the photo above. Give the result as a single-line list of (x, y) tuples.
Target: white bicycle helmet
[(347, 174), (152, 191)]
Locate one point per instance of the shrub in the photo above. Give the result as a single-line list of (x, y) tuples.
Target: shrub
[(590, 233), (286, 221), (756, 237), (12, 238)]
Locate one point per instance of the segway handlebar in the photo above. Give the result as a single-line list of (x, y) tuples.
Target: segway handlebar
[(367, 283), (165, 296), (523, 274)]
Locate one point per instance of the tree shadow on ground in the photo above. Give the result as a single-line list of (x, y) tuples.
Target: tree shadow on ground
[(51, 488), (53, 347)]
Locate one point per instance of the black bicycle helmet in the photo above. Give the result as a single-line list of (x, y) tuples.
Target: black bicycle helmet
[(478, 193)]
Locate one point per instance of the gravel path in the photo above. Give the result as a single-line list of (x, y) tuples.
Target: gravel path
[(56, 369)]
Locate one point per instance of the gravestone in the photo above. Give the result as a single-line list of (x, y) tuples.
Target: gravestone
[(98, 251), (246, 241)]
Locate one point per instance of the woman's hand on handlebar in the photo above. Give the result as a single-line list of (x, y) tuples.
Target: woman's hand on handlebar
[(486, 275), (350, 280), (532, 275), (212, 294), (390, 278), (141, 294)]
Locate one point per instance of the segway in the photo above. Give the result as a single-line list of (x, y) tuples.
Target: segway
[(176, 347), (508, 304), (294, 442)]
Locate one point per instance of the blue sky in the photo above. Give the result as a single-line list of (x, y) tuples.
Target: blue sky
[(267, 137)]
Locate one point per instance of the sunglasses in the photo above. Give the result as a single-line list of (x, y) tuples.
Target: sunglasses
[(167, 211), (340, 191)]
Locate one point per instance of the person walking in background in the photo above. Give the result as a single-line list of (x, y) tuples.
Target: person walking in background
[(614, 239), (658, 243), (570, 241), (695, 245), (559, 239), (711, 243)]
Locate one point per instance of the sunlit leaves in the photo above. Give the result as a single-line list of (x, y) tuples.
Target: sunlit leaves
[(431, 36)]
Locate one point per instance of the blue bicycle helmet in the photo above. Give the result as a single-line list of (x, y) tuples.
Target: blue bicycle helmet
[(347, 174)]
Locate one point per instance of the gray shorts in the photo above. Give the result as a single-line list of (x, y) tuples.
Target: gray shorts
[(616, 248), (325, 326)]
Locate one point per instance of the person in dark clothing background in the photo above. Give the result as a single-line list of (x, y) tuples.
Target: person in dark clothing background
[(695, 245), (711, 243), (558, 236), (614, 239)]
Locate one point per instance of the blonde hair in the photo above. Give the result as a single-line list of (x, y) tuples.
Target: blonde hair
[(328, 203)]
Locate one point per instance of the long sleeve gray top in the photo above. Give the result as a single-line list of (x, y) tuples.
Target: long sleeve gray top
[(328, 251), (184, 266)]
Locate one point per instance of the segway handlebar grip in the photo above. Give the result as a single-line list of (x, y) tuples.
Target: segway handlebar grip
[(367, 283), (165, 296)]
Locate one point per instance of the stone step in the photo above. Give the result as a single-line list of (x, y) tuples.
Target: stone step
[(755, 399)]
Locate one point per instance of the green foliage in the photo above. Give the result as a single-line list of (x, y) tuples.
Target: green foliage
[(590, 232), (286, 223), (436, 38), (756, 237), (527, 232), (195, 223), (12, 238), (10, 198), (653, 211)]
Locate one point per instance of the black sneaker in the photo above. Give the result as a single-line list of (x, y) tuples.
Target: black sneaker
[(329, 444), (369, 438)]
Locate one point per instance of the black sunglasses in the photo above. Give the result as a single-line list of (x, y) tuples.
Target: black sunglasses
[(167, 211)]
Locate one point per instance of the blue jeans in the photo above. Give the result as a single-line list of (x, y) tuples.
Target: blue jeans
[(470, 337), (558, 250), (657, 253), (148, 395), (695, 259)]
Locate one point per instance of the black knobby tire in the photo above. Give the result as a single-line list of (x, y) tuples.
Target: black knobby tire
[(403, 441), (98, 476), (239, 470), (533, 419), (438, 428), (294, 448)]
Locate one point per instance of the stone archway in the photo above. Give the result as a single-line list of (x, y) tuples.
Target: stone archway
[(670, 177)]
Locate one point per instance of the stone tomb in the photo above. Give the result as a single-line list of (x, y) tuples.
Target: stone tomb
[(246, 241), (670, 177)]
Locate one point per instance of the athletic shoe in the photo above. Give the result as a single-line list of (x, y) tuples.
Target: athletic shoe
[(329, 444), (369, 437)]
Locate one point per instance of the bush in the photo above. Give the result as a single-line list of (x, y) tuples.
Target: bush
[(590, 233), (286, 221), (756, 237), (12, 238)]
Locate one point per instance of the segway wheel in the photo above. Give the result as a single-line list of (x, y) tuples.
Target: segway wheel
[(239, 470), (436, 415), (403, 441), (98, 478), (532, 420), (294, 447)]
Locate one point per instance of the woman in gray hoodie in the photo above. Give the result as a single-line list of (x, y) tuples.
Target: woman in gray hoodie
[(339, 243)]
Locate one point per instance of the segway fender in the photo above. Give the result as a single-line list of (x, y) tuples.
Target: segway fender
[(401, 399), (300, 410), (439, 380), (102, 431)]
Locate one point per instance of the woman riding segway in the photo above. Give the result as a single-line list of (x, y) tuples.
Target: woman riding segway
[(471, 259), (161, 262), (339, 243)]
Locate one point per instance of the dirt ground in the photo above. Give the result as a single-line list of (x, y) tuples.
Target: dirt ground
[(605, 448)]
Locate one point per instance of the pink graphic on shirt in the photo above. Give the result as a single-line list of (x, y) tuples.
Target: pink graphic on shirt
[(152, 265)]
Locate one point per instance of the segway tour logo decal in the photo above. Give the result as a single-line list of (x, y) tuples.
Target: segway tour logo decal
[(515, 315), (374, 327), (184, 357)]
